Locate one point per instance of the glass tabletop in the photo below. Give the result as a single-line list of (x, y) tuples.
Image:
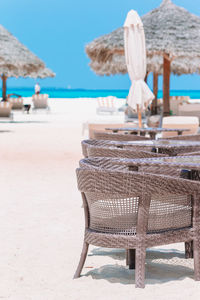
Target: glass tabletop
[(148, 129), (164, 143)]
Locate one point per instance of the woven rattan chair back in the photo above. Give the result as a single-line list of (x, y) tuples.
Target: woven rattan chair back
[(118, 136), (134, 210), (107, 143), (95, 151), (191, 137), (197, 153)]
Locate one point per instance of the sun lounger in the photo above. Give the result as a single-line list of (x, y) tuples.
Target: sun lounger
[(40, 101), (189, 110), (106, 105), (17, 103), (191, 123), (5, 110)]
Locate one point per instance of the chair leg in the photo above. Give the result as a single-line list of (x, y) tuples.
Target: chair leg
[(189, 249), (82, 260), (196, 250), (140, 267), (127, 257), (130, 258)]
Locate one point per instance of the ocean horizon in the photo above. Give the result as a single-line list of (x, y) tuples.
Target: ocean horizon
[(90, 93)]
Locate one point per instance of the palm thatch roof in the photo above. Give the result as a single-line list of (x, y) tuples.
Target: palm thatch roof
[(117, 65), (169, 29), (17, 61)]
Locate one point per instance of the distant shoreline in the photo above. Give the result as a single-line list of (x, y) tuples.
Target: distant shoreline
[(84, 93)]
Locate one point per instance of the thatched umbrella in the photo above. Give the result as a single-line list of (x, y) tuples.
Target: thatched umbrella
[(171, 32), (117, 65), (17, 61)]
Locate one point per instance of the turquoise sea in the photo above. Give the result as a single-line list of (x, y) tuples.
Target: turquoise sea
[(81, 93)]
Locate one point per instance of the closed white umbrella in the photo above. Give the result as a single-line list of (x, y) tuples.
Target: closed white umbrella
[(135, 53)]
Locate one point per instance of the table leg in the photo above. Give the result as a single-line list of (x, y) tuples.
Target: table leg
[(142, 133), (152, 135), (130, 258)]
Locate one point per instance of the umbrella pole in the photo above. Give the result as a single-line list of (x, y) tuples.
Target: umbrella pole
[(139, 116), (166, 85), (4, 78), (155, 91)]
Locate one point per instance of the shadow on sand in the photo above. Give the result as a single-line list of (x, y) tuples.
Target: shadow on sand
[(23, 122), (5, 131), (161, 266)]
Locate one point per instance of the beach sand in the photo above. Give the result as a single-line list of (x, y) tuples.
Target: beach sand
[(42, 222)]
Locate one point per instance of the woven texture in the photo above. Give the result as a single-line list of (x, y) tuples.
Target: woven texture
[(192, 137), (118, 136), (129, 209), (94, 151), (167, 148), (86, 144), (190, 153)]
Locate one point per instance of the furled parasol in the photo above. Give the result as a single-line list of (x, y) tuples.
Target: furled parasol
[(135, 53)]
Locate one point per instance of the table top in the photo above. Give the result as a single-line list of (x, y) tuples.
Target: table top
[(185, 162), (148, 129)]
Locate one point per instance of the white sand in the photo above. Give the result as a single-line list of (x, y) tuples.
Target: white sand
[(41, 219)]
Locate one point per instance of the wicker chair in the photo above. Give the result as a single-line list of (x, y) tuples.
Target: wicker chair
[(118, 136), (192, 137), (134, 210), (197, 153), (94, 151), (106, 143), (111, 152)]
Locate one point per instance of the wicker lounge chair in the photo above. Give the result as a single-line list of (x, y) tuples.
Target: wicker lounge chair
[(40, 101), (5, 110), (106, 105), (134, 210), (118, 136), (17, 103)]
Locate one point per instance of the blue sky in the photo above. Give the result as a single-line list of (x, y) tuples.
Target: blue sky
[(58, 30)]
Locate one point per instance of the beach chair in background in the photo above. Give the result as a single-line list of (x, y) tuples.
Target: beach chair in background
[(17, 103), (93, 127), (40, 101), (191, 123), (189, 109), (5, 110), (176, 102), (106, 105)]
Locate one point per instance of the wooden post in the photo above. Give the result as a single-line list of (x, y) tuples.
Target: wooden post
[(4, 78), (155, 91), (166, 85), (139, 116)]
